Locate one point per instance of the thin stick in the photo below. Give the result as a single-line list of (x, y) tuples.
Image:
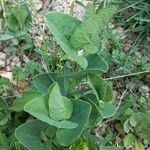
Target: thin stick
[(128, 75), (121, 98), (120, 101)]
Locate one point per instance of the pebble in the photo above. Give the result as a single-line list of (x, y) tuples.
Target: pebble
[(2, 56), (16, 59), (2, 63), (129, 42), (81, 52), (8, 68), (8, 61), (38, 5), (126, 48), (138, 54), (18, 64), (145, 88), (25, 59), (146, 143)]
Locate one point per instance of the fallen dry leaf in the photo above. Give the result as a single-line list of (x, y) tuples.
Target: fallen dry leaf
[(22, 84), (118, 30)]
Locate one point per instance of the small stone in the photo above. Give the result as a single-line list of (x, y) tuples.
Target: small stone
[(13, 64), (11, 57), (130, 42), (145, 88), (81, 52), (16, 59), (38, 5), (126, 48), (25, 59), (8, 68), (8, 61), (2, 56), (138, 54), (146, 143), (2, 63), (18, 64), (147, 95)]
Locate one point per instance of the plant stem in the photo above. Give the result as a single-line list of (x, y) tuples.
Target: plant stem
[(4, 12), (128, 75)]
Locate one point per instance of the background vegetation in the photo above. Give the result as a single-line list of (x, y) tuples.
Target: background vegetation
[(78, 81)]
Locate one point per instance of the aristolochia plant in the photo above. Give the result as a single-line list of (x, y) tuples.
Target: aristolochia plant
[(67, 111)]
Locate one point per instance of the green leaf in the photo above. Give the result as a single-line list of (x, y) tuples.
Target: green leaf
[(64, 43), (83, 144), (109, 148), (97, 62), (102, 90), (66, 25), (4, 143), (139, 145), (55, 103), (20, 14), (139, 119), (26, 97), (90, 11), (93, 46), (145, 132), (146, 66), (13, 23), (38, 108), (20, 18), (80, 115), (95, 115), (68, 107), (107, 110), (6, 37), (42, 82), (29, 134), (127, 127), (93, 26), (59, 108), (129, 140)]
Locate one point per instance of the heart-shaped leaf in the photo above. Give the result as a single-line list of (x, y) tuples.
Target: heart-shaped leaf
[(82, 37), (29, 134), (95, 115), (38, 108), (96, 62), (59, 108), (102, 90), (63, 42), (20, 18), (66, 25), (27, 96), (80, 115)]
